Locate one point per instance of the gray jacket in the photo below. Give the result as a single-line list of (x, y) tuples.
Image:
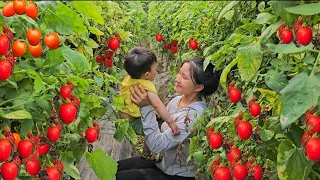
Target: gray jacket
[(163, 141)]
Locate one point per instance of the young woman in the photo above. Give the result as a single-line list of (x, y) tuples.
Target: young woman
[(192, 83)]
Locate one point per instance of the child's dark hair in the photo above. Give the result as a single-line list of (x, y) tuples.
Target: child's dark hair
[(209, 78), (139, 61)]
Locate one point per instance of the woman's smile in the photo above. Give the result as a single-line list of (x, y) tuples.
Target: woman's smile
[(177, 85)]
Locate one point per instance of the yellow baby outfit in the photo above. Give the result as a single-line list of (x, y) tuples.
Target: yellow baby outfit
[(131, 108)]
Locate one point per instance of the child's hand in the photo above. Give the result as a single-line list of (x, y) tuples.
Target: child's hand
[(175, 128)]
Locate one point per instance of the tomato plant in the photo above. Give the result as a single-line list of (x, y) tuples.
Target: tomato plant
[(50, 45)]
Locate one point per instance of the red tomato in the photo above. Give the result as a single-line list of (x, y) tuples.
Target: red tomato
[(9, 170), (34, 36), (5, 149), (8, 10), (286, 36), (91, 134), (304, 35), (25, 148), (19, 6), (67, 112), (19, 48), (4, 44), (235, 95), (215, 140), (53, 134), (52, 40), (5, 69), (35, 51), (32, 10), (222, 173)]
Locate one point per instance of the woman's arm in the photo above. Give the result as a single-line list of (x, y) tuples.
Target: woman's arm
[(161, 141)]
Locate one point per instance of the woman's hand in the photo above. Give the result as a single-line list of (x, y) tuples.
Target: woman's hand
[(139, 96)]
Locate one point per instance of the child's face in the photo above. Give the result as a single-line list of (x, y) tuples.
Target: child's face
[(152, 74)]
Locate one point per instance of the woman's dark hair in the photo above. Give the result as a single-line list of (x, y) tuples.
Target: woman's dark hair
[(209, 78), (139, 61)]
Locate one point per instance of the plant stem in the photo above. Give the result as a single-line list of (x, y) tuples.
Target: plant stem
[(315, 173), (315, 63), (9, 100)]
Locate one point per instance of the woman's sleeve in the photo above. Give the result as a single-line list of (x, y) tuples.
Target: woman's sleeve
[(161, 141)]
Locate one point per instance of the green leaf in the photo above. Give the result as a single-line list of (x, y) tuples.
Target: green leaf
[(261, 6), (309, 59), (197, 156), (268, 94), (291, 162), (137, 127), (275, 80), (98, 80), (218, 122), (227, 8), (266, 135), (92, 43), (294, 134), (298, 96), (194, 144), (89, 9), (38, 84), (288, 48), (98, 112), (30, 21), (225, 72), (26, 125), (50, 80), (279, 8), (54, 57), (44, 104), (79, 27), (269, 31), (122, 126), (67, 159), (62, 21), (263, 18), (305, 9), (118, 102), (249, 61), (95, 31), (78, 60), (102, 164), (131, 135), (19, 114), (229, 15)]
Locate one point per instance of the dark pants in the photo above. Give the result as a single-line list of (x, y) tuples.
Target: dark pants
[(138, 168)]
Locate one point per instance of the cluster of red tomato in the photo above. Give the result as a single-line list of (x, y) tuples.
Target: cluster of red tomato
[(193, 44), (20, 7), (113, 44), (13, 149), (68, 112), (29, 149), (241, 171), (310, 139), (18, 48), (301, 34), (244, 131), (243, 128)]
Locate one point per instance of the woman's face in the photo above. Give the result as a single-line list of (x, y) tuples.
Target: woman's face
[(184, 84)]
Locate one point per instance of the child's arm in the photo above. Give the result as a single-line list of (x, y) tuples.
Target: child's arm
[(159, 107), (163, 112)]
